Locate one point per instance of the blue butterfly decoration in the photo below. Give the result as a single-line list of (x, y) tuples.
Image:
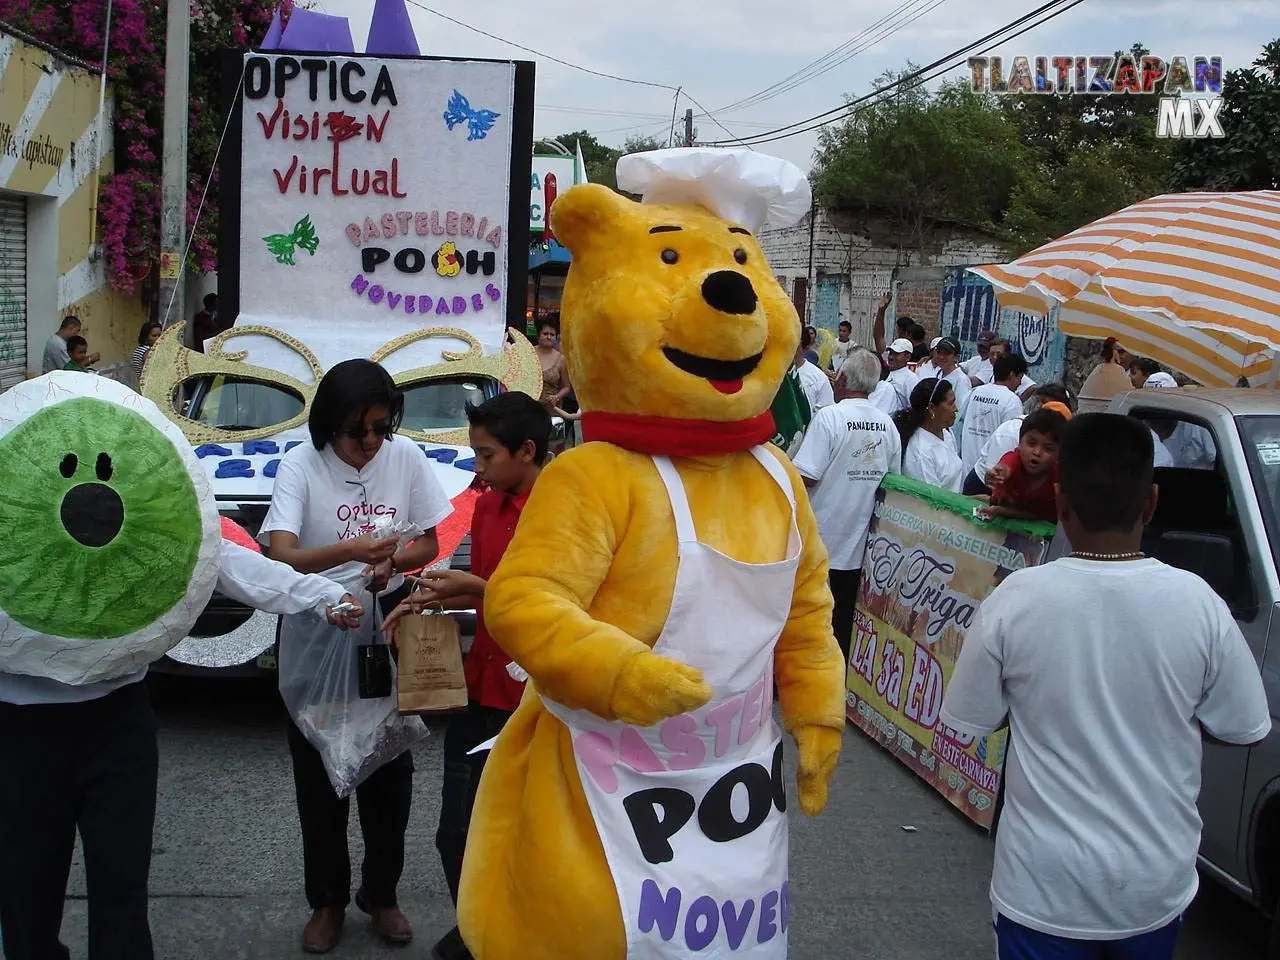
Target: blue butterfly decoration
[(479, 122)]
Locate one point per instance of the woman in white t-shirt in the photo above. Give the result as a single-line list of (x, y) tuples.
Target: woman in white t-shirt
[(328, 494), (929, 450)]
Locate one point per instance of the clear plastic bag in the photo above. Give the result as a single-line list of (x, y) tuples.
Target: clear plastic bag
[(320, 687)]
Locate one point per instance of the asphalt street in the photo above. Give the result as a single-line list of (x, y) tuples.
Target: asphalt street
[(226, 876)]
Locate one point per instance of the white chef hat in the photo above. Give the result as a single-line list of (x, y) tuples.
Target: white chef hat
[(1158, 380), (737, 184)]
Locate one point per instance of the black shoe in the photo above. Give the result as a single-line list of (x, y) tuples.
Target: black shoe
[(451, 947)]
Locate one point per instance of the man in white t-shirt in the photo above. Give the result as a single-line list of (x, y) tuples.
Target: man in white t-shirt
[(989, 406), (904, 381), (815, 384), (1110, 668), (846, 452)]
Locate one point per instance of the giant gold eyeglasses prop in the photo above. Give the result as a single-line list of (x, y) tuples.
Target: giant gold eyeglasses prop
[(170, 366)]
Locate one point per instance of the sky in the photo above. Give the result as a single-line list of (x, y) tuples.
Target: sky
[(722, 51)]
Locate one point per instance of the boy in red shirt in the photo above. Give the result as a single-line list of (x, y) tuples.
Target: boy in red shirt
[(1023, 483), (509, 434)]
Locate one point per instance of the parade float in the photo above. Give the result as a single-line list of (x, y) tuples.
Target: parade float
[(372, 205)]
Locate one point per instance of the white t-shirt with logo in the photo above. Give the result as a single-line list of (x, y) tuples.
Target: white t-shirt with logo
[(816, 386), (848, 449), (989, 406), (934, 461), (1107, 672), (324, 500)]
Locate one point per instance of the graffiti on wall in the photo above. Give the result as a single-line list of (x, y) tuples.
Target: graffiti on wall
[(969, 306)]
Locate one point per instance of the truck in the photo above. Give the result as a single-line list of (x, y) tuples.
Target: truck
[(1218, 516)]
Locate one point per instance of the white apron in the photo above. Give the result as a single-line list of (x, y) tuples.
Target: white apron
[(692, 811)]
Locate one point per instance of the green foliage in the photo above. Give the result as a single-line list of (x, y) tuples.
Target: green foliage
[(1248, 156), (922, 157)]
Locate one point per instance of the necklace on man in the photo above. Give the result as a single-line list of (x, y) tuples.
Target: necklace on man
[(1132, 555)]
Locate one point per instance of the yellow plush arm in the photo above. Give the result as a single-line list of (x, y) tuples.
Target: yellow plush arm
[(535, 604), (808, 666)]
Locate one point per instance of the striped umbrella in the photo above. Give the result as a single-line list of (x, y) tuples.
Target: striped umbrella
[(1191, 280)]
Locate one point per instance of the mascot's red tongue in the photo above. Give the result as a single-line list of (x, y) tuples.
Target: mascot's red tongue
[(673, 437)]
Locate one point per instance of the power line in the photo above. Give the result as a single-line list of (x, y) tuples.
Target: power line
[(840, 54), (539, 53), (908, 80)]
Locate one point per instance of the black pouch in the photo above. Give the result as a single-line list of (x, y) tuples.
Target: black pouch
[(373, 670)]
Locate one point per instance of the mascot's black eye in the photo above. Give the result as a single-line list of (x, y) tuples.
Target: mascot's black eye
[(104, 467), (740, 255), (670, 256), (68, 466)]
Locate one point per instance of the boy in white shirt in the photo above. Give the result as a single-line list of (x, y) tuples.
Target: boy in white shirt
[(1110, 668), (846, 452), (991, 405)]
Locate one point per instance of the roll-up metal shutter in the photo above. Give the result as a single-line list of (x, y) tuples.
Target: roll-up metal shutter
[(13, 290)]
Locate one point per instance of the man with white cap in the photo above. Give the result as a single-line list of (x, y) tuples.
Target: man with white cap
[(979, 367), (897, 356)]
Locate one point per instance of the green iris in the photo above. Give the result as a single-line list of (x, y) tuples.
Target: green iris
[(102, 524)]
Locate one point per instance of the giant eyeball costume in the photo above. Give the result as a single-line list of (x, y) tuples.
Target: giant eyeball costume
[(111, 533)]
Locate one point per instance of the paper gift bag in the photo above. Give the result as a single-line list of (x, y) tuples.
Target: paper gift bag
[(430, 677)]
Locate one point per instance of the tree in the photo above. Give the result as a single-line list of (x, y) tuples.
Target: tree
[(921, 158), (129, 199), (1248, 156), (599, 158), (641, 145), (1087, 156)]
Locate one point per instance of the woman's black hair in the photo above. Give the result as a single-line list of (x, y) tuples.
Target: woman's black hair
[(146, 329), (929, 392), (346, 394), (513, 419), (551, 320), (1055, 391)]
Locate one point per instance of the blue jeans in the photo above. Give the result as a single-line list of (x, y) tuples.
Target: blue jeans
[(1016, 942)]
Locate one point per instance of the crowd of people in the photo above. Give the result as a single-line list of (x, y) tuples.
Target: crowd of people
[(1096, 850), (1039, 655)]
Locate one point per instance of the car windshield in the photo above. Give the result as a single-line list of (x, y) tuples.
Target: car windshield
[(1261, 438), (441, 404), (228, 403)]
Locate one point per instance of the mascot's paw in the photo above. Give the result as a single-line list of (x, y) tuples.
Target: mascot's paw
[(651, 688), (819, 749)]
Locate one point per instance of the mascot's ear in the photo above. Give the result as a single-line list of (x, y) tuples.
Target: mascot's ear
[(584, 209)]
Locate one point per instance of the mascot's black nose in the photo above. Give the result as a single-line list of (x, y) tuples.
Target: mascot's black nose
[(92, 513), (729, 292)]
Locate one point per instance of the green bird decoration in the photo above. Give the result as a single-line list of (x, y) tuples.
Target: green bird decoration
[(302, 237)]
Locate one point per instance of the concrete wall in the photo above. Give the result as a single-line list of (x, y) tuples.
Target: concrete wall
[(52, 103)]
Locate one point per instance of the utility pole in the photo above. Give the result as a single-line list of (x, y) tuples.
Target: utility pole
[(173, 196), (688, 127)]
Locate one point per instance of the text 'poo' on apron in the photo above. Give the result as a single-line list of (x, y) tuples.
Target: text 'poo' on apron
[(692, 811)]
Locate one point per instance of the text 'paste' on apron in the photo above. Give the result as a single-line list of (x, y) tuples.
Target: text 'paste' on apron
[(692, 811)]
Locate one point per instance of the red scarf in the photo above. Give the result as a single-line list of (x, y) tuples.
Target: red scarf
[(674, 437)]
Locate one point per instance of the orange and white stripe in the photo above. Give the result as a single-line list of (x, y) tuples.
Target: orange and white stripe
[(1191, 280)]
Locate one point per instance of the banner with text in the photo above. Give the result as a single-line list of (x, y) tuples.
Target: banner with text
[(926, 569), (375, 195)]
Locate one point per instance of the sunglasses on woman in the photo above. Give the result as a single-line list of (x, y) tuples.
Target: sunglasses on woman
[(380, 429)]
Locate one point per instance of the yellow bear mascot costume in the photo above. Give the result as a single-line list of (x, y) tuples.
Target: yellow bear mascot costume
[(664, 578)]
